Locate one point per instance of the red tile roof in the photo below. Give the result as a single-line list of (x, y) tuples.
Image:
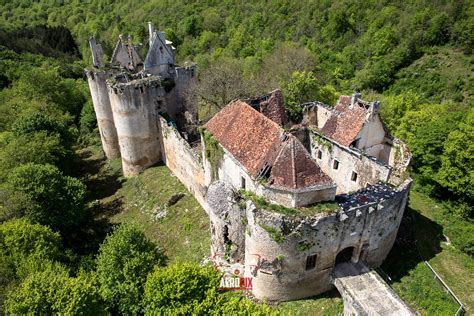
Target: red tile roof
[(257, 142), (345, 122), (294, 168), (252, 138), (271, 105)]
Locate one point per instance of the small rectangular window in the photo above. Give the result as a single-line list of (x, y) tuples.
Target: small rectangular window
[(311, 262), (242, 183), (320, 154), (354, 176), (335, 166)]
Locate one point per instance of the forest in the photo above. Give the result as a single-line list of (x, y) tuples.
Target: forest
[(58, 256)]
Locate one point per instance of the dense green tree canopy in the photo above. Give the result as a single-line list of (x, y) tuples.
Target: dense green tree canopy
[(44, 195), (125, 258)]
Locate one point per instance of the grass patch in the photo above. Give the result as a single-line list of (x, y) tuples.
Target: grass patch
[(412, 280), (184, 231), (261, 203), (329, 303), (275, 234)]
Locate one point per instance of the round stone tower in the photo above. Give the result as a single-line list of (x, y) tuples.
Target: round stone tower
[(103, 111), (136, 106)]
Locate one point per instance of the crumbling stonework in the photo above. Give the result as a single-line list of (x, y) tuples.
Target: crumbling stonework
[(130, 96), (342, 154)]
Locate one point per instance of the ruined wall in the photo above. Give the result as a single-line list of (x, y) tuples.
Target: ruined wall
[(232, 172), (183, 161), (372, 134), (368, 169), (135, 107), (103, 112), (297, 198), (283, 244), (228, 222)]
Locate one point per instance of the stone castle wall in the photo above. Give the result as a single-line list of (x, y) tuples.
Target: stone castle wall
[(135, 110), (103, 111), (368, 169), (184, 161), (283, 245)]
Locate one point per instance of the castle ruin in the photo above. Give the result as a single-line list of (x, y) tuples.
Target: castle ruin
[(288, 201)]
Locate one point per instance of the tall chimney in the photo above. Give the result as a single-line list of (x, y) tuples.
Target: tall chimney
[(151, 31)]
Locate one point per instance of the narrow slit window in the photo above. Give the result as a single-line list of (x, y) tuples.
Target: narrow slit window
[(242, 183), (335, 165), (311, 262), (320, 154), (354, 176)]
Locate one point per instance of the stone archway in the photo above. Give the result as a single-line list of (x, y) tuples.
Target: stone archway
[(345, 255)]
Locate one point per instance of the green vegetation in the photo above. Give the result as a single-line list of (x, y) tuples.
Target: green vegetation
[(275, 233), (44, 195), (125, 259), (213, 151), (53, 291), (187, 288), (59, 198), (183, 232), (329, 304), (424, 228)]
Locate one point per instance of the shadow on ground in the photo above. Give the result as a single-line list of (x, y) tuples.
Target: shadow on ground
[(419, 238)]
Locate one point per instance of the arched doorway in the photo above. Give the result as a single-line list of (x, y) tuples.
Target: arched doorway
[(345, 255)]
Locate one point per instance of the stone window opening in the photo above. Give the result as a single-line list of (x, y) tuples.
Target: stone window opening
[(320, 154), (354, 176), (335, 165), (311, 262), (355, 143), (227, 241), (242, 183)]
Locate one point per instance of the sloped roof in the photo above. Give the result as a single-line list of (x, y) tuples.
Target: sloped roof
[(125, 54), (257, 143), (249, 136), (294, 168), (271, 105), (345, 122)]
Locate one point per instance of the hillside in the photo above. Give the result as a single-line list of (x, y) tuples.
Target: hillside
[(58, 193)]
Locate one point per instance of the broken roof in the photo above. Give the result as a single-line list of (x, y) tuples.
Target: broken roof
[(346, 121), (271, 105), (261, 145)]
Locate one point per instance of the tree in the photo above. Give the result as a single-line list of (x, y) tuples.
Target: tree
[(188, 288), (25, 247), (52, 291), (425, 131), (303, 87), (36, 148), (457, 162), (181, 288), (44, 195), (20, 238), (36, 122), (221, 83), (125, 258)]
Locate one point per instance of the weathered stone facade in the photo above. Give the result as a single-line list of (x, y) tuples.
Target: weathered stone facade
[(342, 154)]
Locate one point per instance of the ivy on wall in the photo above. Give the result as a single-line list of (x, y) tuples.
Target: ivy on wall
[(213, 151)]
